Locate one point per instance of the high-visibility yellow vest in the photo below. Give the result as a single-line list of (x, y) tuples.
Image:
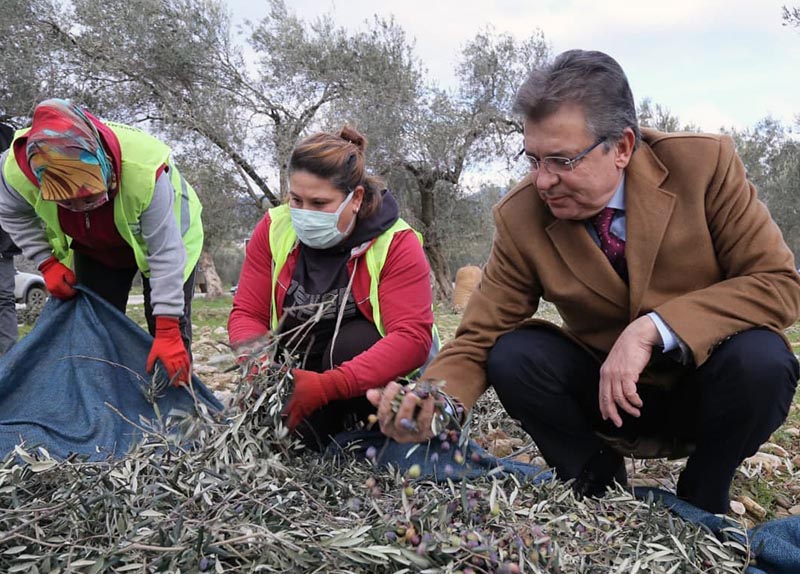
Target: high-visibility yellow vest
[(142, 156), (282, 239)]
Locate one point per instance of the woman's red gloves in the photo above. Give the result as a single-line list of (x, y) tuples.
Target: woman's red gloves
[(58, 278), (312, 391), (169, 348)]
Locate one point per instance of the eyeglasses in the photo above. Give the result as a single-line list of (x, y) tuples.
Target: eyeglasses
[(558, 165)]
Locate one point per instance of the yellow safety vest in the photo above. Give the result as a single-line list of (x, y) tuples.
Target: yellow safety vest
[(142, 156), (282, 239)]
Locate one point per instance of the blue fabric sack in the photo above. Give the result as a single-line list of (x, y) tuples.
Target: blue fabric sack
[(56, 384), (452, 461)]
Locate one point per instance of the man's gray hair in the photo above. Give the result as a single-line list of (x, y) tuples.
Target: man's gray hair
[(591, 79)]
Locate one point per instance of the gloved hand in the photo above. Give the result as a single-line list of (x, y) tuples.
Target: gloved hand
[(168, 346), (58, 278), (252, 349), (253, 357), (313, 391)]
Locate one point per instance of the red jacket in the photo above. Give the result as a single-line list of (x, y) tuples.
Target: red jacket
[(405, 296)]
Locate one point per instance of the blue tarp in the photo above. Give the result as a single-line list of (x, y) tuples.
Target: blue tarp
[(56, 384), (437, 461)]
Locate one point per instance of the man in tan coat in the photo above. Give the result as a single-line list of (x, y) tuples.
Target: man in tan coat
[(672, 279)]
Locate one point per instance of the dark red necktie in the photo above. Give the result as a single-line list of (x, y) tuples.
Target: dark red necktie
[(613, 247)]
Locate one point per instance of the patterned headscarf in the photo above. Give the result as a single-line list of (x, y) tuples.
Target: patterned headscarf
[(66, 154)]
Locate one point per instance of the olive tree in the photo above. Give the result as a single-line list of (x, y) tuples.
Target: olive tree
[(791, 16), (654, 115), (176, 68), (443, 134), (34, 63), (772, 160)]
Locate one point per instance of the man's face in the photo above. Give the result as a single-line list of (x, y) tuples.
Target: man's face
[(583, 191)]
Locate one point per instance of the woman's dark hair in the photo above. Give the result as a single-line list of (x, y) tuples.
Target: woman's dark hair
[(339, 158)]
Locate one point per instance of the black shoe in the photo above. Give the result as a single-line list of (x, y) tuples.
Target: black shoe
[(605, 467)]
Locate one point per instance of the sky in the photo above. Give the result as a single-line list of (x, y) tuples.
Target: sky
[(712, 63)]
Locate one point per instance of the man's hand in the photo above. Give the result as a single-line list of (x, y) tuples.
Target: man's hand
[(621, 369), (398, 426)]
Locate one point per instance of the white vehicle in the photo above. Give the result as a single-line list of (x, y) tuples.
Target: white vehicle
[(29, 289)]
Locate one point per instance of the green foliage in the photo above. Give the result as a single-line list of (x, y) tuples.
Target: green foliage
[(772, 160), (791, 16), (471, 225), (206, 312), (759, 147), (33, 65), (211, 313), (763, 494), (228, 214), (228, 259), (659, 117), (307, 70), (177, 65)]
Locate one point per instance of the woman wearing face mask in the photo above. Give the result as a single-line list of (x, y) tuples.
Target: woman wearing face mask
[(109, 195), (337, 252)]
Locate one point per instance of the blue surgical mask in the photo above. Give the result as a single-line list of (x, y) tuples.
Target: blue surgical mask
[(320, 229)]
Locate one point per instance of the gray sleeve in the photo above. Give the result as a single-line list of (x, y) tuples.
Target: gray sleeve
[(166, 252), (19, 219)]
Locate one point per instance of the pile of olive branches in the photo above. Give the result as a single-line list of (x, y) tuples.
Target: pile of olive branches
[(234, 492)]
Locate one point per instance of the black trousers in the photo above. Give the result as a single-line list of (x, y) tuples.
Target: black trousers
[(8, 309), (727, 407), (354, 338), (114, 285)]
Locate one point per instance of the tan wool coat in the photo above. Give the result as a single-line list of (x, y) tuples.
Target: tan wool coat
[(702, 251)]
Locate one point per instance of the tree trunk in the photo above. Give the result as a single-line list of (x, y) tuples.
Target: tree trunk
[(443, 286), (213, 284)]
